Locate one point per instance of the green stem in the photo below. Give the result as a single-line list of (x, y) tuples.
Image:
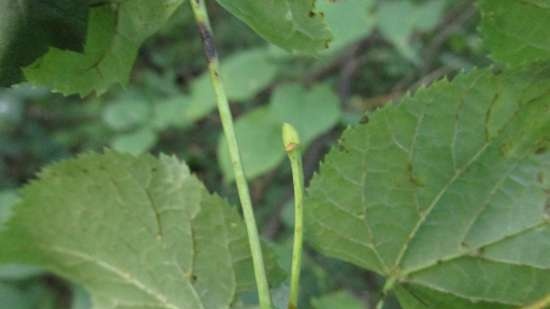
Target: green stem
[(291, 142), (203, 23), (380, 303), (388, 286)]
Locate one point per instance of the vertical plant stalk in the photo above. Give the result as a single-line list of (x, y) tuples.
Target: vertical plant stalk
[(203, 23), (291, 142), (380, 304), (388, 286)]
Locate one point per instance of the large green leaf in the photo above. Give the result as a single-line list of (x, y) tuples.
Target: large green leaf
[(29, 27), (135, 232), (294, 25), (115, 32), (516, 31), (444, 193)]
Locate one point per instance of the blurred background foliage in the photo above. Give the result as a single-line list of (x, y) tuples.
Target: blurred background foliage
[(381, 50)]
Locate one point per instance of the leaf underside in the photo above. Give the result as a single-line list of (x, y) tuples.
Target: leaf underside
[(136, 232), (516, 31), (294, 25), (444, 193), (115, 33)]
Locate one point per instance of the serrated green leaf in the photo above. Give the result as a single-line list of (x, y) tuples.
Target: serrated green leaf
[(115, 33), (516, 32), (29, 27), (294, 25), (135, 232), (443, 191), (311, 111)]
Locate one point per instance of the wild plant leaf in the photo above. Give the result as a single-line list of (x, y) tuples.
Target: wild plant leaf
[(444, 193), (29, 27), (516, 32), (294, 25), (116, 30), (135, 232)]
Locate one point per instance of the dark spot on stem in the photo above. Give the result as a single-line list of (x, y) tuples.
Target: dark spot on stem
[(208, 42), (312, 14)]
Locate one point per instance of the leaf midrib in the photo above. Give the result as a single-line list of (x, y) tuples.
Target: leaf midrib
[(395, 272), (435, 201)]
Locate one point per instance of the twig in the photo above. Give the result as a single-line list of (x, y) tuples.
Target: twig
[(291, 142), (203, 23)]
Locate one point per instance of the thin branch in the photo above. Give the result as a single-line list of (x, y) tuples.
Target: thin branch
[(203, 23)]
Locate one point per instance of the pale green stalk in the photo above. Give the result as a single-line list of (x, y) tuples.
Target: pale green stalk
[(390, 283), (201, 18), (291, 142)]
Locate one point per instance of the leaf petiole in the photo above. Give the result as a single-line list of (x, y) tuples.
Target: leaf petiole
[(291, 143)]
